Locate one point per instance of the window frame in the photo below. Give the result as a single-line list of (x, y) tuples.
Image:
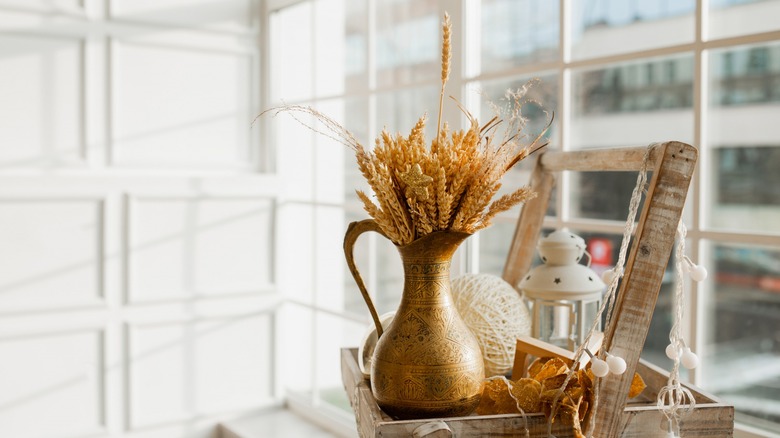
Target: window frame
[(465, 71)]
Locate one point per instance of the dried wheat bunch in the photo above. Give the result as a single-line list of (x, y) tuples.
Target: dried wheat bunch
[(418, 189)]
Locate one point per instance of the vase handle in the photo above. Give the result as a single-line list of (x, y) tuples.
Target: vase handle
[(354, 230)]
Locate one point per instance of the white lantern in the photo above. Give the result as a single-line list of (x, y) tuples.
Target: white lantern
[(565, 296)]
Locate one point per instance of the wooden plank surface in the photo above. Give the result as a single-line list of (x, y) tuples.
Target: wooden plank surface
[(614, 159), (707, 420), (652, 245), (526, 345)]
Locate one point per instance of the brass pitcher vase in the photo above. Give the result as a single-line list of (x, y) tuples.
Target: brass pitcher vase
[(427, 363)]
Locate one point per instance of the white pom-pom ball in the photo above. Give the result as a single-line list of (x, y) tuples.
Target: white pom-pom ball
[(608, 275), (698, 273), (616, 364), (689, 359), (599, 367), (671, 352), (496, 315)]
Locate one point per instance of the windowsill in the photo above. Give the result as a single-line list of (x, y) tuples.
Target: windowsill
[(745, 431), (279, 422)]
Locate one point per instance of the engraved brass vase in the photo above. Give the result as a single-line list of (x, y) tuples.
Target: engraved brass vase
[(427, 363)]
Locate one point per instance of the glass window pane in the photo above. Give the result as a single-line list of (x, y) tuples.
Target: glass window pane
[(741, 362), (494, 243), (389, 276), (744, 108), (739, 17), (408, 46), (291, 54), (633, 104), (519, 32), (328, 252), (329, 155), (356, 120), (607, 27), (295, 327), (340, 46), (398, 111), (356, 45), (332, 334), (602, 195), (329, 47)]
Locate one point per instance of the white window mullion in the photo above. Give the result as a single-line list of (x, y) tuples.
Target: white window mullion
[(564, 109), (697, 317)]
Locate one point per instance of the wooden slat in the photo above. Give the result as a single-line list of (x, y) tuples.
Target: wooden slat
[(529, 225), (653, 243), (526, 345), (707, 420), (616, 159), (481, 426)]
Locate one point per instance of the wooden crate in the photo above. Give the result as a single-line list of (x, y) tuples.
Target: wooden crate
[(639, 419), (672, 165)]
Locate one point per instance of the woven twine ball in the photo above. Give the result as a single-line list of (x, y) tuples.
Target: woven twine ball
[(496, 314)]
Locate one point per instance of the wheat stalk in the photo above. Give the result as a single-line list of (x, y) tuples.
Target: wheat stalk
[(504, 203), (446, 55)]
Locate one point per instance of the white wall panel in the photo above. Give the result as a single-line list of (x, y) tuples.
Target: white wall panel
[(51, 385), (223, 15), (40, 101), (180, 107), (198, 247), (129, 200), (51, 253), (44, 5), (179, 370)]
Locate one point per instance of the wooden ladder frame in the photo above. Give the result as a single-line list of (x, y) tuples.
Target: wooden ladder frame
[(672, 165)]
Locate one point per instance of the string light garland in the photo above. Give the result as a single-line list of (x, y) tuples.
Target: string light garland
[(674, 400)]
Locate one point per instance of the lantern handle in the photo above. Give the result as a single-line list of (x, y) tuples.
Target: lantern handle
[(590, 258)]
